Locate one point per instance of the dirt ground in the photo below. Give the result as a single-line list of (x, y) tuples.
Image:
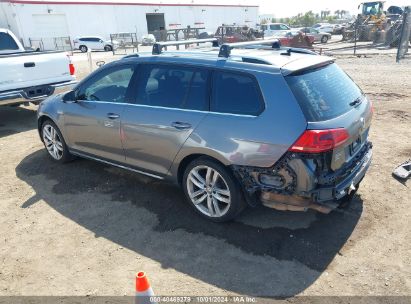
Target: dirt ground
[(86, 228)]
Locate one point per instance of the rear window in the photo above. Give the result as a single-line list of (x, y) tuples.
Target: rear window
[(7, 42), (324, 93)]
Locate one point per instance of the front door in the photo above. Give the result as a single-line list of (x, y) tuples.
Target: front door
[(170, 102), (93, 121)]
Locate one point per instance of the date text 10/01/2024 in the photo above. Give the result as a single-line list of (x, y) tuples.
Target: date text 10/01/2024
[(203, 299)]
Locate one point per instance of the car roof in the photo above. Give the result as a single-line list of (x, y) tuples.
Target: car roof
[(275, 23), (264, 60)]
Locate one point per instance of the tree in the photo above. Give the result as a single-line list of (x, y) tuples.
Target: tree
[(308, 19), (337, 13)]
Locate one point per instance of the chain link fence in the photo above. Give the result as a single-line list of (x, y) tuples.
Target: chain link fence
[(405, 34), (124, 43), (52, 44)]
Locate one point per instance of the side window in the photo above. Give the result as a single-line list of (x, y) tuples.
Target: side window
[(236, 94), (7, 42), (274, 27), (110, 85), (172, 87), (284, 27)]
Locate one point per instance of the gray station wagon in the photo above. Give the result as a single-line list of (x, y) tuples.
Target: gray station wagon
[(236, 125)]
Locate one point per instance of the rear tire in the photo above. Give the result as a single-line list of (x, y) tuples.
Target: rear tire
[(54, 142), (324, 39), (212, 190), (83, 48)]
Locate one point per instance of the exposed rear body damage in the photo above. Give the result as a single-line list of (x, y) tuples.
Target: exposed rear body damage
[(305, 181)]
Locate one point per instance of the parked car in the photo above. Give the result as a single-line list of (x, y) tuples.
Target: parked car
[(31, 76), (324, 27), (210, 121), (322, 37), (94, 43), (148, 39), (274, 29), (337, 29), (296, 39)]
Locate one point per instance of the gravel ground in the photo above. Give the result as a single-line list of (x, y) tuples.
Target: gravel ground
[(85, 228)]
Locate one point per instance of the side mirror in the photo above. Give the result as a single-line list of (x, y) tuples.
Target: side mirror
[(70, 97)]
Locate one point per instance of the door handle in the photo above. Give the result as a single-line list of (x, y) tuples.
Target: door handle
[(113, 116), (29, 64), (181, 125)]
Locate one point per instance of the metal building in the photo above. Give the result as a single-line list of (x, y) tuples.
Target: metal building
[(46, 19)]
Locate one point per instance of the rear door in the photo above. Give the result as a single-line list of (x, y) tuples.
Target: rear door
[(170, 101), (92, 122), (97, 43)]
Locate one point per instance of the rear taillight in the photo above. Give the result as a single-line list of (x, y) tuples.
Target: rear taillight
[(317, 141), (72, 69)]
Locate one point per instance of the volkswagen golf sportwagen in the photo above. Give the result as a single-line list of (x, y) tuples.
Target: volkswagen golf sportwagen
[(233, 126)]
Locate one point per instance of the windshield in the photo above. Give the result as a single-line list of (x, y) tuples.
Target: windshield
[(324, 93)]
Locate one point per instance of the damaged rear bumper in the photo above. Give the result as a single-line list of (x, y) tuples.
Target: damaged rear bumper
[(327, 190)]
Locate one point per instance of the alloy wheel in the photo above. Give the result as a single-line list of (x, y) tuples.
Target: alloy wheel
[(53, 142), (208, 191)]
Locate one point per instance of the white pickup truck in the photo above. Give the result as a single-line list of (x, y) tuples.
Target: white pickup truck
[(31, 76)]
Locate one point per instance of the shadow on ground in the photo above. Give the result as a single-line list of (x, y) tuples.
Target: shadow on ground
[(280, 253), (16, 119)]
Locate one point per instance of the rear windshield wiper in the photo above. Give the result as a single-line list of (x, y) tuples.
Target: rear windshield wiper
[(356, 101)]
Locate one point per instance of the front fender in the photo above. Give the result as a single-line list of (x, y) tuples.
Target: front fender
[(50, 108)]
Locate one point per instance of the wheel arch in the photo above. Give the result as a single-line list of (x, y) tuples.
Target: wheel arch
[(41, 120), (185, 161)]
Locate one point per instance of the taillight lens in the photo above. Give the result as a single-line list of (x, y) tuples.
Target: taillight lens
[(317, 141), (72, 69)]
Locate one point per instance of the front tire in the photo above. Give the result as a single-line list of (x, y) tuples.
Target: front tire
[(54, 142), (212, 190), (324, 39), (108, 48)]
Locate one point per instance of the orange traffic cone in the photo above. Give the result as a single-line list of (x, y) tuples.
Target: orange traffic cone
[(144, 292)]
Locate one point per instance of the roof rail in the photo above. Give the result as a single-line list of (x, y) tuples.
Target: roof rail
[(158, 46), (225, 49)]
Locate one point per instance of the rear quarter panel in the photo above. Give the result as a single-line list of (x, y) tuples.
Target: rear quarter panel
[(247, 140)]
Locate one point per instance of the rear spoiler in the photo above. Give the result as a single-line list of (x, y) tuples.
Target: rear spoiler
[(305, 64)]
